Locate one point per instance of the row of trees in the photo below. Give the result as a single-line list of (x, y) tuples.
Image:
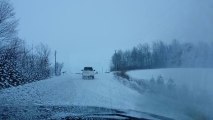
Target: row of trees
[(19, 64), (162, 55)]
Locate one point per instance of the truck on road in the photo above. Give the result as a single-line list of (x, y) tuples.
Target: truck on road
[(88, 73)]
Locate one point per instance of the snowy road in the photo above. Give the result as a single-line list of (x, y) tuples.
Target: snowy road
[(104, 91)]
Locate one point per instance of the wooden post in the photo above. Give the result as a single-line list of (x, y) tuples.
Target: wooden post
[(55, 64)]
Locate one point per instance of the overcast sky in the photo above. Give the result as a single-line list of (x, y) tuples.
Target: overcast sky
[(86, 32)]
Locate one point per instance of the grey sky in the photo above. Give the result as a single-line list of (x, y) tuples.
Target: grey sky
[(86, 33)]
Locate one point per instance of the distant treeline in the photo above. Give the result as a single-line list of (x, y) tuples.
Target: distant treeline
[(19, 64), (163, 55)]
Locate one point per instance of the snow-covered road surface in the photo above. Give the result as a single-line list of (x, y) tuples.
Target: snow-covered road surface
[(73, 90)]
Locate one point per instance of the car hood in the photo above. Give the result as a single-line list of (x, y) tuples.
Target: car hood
[(73, 112)]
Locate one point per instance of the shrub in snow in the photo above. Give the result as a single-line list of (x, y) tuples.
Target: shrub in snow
[(160, 80), (151, 85), (171, 84), (122, 74)]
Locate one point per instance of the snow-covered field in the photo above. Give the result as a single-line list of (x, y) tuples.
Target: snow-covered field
[(106, 91), (194, 78), (194, 92)]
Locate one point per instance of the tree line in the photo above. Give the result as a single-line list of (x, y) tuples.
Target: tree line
[(20, 64), (163, 55)]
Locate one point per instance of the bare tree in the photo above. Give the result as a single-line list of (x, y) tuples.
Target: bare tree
[(8, 23), (19, 64), (58, 68), (42, 61)]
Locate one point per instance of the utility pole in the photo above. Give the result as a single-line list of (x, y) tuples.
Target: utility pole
[(116, 64), (55, 64), (33, 64)]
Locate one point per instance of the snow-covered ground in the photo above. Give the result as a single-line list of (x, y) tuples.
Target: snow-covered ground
[(194, 91), (104, 91), (194, 78)]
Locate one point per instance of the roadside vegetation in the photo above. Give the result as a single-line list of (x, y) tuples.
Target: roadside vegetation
[(19, 63), (163, 55)]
